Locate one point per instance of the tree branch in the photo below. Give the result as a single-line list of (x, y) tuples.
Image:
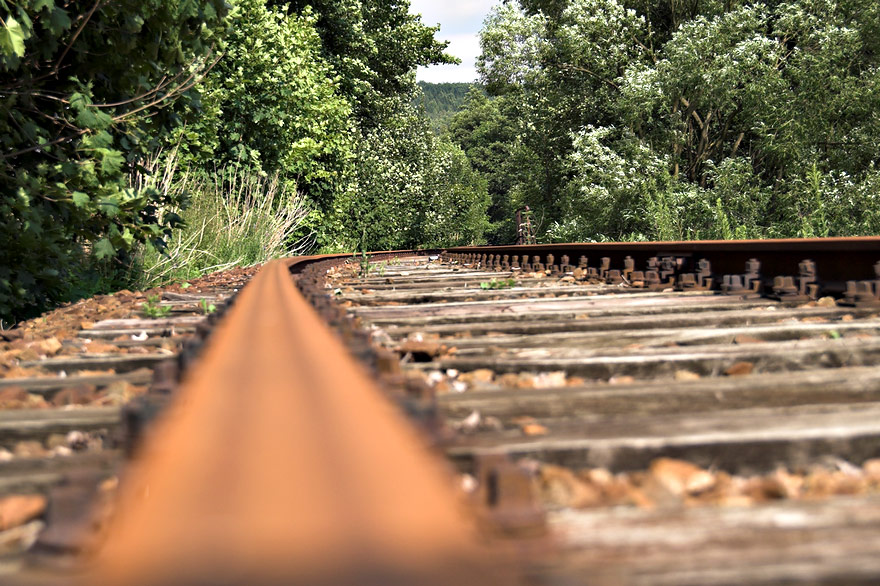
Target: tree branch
[(191, 81), (588, 72), (737, 143), (194, 78), (75, 36)]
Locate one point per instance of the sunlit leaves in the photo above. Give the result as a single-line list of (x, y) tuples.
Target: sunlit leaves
[(80, 199), (12, 37), (411, 188), (512, 43), (111, 161), (374, 46), (274, 103), (710, 119)]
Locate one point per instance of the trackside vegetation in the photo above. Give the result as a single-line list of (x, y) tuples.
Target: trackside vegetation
[(87, 91), (268, 108), (152, 141), (638, 119)]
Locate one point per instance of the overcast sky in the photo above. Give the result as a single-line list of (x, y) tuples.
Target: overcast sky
[(460, 21)]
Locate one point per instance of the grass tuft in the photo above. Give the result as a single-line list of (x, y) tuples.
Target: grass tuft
[(235, 218)]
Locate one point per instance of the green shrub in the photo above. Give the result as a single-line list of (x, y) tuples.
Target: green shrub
[(273, 104), (86, 88), (410, 189)]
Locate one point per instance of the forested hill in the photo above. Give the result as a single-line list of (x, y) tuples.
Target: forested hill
[(442, 100)]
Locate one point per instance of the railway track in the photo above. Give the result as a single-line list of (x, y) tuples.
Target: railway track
[(76, 388), (681, 413), (671, 433)]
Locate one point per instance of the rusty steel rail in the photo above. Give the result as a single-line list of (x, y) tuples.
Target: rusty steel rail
[(837, 259), (279, 462)]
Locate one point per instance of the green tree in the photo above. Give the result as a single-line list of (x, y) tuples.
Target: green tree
[(457, 200), (273, 104), (753, 119), (487, 133), (781, 89), (411, 189), (86, 94), (374, 46), (560, 70)]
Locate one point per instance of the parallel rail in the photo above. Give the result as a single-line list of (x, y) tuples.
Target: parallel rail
[(837, 259)]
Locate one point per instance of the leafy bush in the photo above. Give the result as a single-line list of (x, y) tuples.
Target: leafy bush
[(486, 131), (86, 90), (273, 103), (457, 200), (721, 120), (411, 189)]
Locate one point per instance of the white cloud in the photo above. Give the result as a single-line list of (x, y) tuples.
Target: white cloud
[(453, 16), (465, 47), (460, 22), (447, 73)]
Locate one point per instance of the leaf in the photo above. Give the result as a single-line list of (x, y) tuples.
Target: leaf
[(12, 38), (80, 199), (78, 102), (59, 21), (101, 139), (33, 228), (91, 118), (111, 161), (109, 206), (41, 4), (103, 248), (27, 25)]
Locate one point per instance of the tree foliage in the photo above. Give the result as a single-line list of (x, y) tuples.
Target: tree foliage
[(85, 93), (697, 119), (318, 94), (411, 189), (390, 186), (374, 46), (273, 104), (485, 130)]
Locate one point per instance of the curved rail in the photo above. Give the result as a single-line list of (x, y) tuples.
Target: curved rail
[(279, 462)]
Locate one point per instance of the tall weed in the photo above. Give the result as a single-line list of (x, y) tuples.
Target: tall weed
[(235, 217)]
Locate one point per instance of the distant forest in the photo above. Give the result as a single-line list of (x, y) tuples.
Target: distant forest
[(442, 100)]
